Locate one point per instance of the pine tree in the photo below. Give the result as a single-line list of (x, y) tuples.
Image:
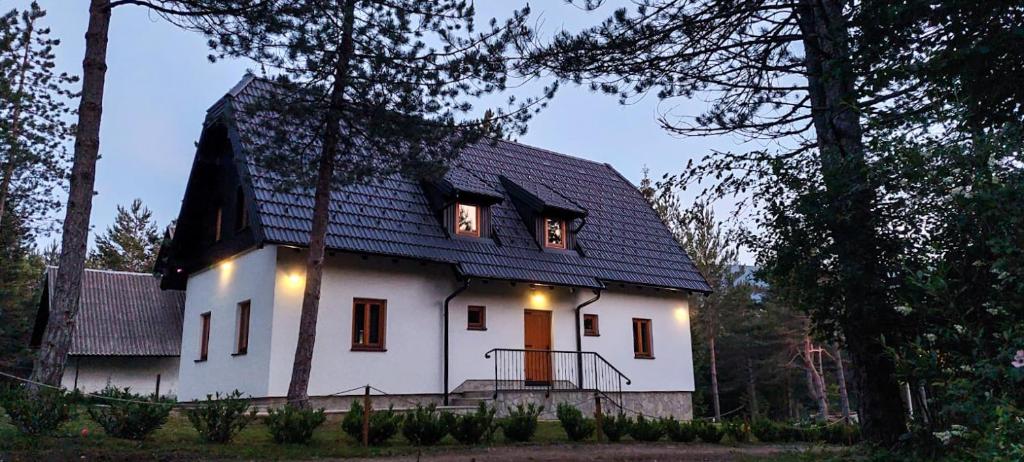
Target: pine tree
[(130, 244), (33, 116), (49, 365), (19, 289), (366, 89)]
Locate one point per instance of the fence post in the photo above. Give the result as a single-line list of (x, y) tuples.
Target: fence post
[(598, 417), (366, 417), (157, 392)]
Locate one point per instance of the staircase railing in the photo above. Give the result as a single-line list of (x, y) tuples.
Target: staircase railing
[(555, 370)]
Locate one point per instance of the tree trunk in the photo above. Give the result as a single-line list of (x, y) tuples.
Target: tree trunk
[(815, 383), (714, 379), (844, 396), (866, 314), (12, 152), (752, 390), (298, 388), (49, 366)]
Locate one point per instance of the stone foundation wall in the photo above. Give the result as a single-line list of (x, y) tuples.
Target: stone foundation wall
[(676, 404)]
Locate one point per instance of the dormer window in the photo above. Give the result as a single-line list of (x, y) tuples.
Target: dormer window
[(467, 220), (554, 233)]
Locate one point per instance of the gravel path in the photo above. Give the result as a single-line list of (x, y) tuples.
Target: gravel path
[(600, 452)]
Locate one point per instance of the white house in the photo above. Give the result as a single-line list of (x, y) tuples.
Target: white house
[(523, 274), (127, 332)]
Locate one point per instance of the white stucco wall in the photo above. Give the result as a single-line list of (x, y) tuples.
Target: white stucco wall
[(218, 290), (412, 364), (94, 373)]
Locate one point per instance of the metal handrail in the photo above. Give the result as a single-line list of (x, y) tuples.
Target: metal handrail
[(529, 369), (534, 350)]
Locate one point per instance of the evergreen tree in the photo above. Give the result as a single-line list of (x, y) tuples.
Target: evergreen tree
[(33, 116), (366, 89), (130, 244), (22, 271), (49, 366)]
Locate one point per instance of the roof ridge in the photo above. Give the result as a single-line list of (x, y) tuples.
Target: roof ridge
[(96, 270), (556, 153)]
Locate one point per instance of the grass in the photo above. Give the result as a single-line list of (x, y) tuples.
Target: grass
[(177, 440)]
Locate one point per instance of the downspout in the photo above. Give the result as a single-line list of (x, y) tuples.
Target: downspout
[(579, 339), (447, 300)]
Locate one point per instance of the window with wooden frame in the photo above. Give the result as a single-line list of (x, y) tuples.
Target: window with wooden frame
[(369, 318), (554, 233), (204, 336), (217, 226), (590, 327), (241, 213), (242, 333), (467, 220), (476, 317), (642, 342)]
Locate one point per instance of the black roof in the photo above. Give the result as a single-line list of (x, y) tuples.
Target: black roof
[(120, 314), (621, 239)]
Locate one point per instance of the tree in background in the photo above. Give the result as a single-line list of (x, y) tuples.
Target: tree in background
[(366, 89), (130, 244), (19, 290), (34, 128), (49, 366)]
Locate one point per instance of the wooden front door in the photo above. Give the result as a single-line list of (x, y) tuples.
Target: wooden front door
[(538, 337)]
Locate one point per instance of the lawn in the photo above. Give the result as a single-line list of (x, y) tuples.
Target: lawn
[(84, 439)]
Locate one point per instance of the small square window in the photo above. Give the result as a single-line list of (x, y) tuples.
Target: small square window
[(590, 328), (369, 321), (642, 342), (476, 317), (467, 220), (554, 233)]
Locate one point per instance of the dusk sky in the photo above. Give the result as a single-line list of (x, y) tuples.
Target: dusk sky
[(160, 83)]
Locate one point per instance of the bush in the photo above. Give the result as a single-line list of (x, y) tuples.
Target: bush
[(219, 418), (473, 428), (291, 424), (766, 431), (738, 430), (842, 433), (790, 433), (40, 414), (424, 426), (680, 432), (645, 429), (812, 433), (128, 415), (521, 423), (383, 424), (577, 427), (614, 428), (709, 432)]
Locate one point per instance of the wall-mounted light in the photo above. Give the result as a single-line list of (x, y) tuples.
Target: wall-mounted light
[(682, 315), (295, 279), (538, 299)]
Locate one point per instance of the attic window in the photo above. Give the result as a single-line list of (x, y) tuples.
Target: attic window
[(467, 220), (554, 233), (241, 214)]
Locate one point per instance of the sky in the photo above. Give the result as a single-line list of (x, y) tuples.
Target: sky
[(160, 83)]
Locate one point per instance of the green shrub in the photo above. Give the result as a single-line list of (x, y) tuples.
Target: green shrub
[(424, 426), (766, 431), (812, 433), (37, 414), (842, 433), (577, 427), (473, 428), (291, 425), (521, 423), (645, 429), (738, 430), (383, 424), (680, 432), (219, 418), (709, 432), (614, 428), (790, 433), (128, 415)]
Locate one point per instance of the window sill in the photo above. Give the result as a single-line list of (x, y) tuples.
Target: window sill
[(476, 328), (369, 349), (643, 357), (592, 335), (243, 353), (203, 360)]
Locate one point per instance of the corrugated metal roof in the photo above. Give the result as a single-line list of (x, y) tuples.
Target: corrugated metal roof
[(125, 314), (622, 240)]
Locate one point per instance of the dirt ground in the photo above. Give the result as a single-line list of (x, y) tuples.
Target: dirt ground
[(603, 452)]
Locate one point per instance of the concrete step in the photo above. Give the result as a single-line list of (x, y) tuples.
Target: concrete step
[(472, 402)]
